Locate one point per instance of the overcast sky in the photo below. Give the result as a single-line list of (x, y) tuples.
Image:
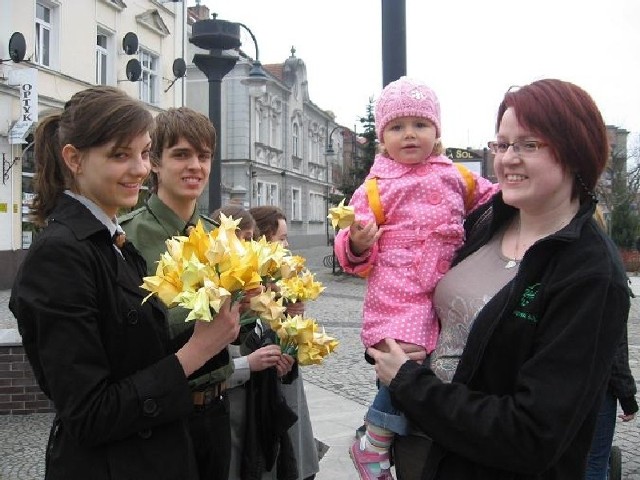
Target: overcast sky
[(469, 51)]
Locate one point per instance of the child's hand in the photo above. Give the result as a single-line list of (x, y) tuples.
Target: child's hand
[(363, 236)]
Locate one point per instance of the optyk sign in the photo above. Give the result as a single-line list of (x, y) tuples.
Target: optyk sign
[(29, 95)]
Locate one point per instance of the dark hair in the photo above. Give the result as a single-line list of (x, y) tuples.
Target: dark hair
[(267, 220), (566, 117), (91, 118), (174, 124), (247, 221)]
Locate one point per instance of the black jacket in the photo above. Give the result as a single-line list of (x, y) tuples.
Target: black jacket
[(268, 418), (524, 399), (622, 385), (102, 357)]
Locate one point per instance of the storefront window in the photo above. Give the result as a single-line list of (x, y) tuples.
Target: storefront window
[(28, 172)]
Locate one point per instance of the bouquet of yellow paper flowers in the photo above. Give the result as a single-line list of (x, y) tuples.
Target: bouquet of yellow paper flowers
[(297, 336), (201, 271), (301, 337)]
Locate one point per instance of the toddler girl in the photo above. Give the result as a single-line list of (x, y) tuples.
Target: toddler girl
[(409, 215)]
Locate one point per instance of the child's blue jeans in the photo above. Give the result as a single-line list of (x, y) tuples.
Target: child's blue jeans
[(383, 414)]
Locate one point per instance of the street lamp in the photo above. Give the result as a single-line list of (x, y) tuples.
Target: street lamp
[(257, 78), (329, 150), (216, 36)]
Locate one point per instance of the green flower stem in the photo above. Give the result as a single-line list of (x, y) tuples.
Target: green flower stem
[(248, 317)]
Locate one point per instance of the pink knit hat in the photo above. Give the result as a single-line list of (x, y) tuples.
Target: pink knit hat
[(407, 97)]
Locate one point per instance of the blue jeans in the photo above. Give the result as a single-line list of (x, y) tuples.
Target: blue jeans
[(598, 459), (383, 414)]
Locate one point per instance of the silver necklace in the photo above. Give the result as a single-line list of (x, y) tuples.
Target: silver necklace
[(513, 262)]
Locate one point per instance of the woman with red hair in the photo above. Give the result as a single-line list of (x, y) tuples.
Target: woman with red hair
[(531, 312)]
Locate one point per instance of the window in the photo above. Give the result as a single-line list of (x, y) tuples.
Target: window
[(267, 193), (28, 174), (296, 134), (149, 78), (275, 138), (44, 18), (296, 206), (102, 59), (316, 207), (258, 124)]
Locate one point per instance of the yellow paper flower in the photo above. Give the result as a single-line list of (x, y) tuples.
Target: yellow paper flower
[(300, 288), (291, 266), (267, 306), (342, 216), (166, 283)]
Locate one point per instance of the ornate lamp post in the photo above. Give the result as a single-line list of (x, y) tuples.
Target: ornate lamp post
[(217, 36)]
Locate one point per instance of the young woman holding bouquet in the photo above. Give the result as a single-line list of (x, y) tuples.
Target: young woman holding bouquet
[(119, 385), (247, 455), (183, 142), (272, 223)]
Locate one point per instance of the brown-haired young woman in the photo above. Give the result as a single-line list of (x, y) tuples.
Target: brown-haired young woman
[(272, 223), (118, 386)]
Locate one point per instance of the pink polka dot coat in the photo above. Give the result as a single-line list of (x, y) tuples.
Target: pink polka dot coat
[(424, 210)]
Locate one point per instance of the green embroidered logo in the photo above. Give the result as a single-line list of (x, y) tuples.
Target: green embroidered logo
[(527, 297)]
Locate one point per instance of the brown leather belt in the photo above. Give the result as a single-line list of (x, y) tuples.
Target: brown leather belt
[(209, 394)]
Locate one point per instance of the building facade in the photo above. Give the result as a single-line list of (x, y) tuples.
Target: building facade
[(72, 45), (274, 142)]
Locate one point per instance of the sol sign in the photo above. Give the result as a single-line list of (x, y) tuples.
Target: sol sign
[(462, 154)]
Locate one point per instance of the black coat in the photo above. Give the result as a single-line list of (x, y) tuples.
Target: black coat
[(526, 393), (101, 356), (268, 418)]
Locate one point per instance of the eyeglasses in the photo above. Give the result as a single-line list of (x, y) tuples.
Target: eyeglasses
[(519, 146)]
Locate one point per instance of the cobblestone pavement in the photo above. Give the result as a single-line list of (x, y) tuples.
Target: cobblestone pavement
[(22, 438)]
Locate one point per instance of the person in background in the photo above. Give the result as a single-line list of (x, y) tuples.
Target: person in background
[(272, 223), (245, 449), (119, 386), (409, 215), (532, 311), (621, 388), (183, 142), (247, 225)]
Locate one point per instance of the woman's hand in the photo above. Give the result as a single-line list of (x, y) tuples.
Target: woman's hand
[(388, 363), (296, 308), (363, 236), (627, 418), (284, 365), (209, 338), (264, 357)]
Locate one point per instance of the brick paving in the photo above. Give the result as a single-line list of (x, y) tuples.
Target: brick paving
[(23, 437)]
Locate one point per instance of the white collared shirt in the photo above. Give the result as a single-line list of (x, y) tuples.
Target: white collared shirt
[(110, 223)]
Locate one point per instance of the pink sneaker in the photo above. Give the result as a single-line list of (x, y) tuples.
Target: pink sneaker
[(365, 462)]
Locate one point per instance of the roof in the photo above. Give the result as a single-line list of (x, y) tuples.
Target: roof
[(275, 69)]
